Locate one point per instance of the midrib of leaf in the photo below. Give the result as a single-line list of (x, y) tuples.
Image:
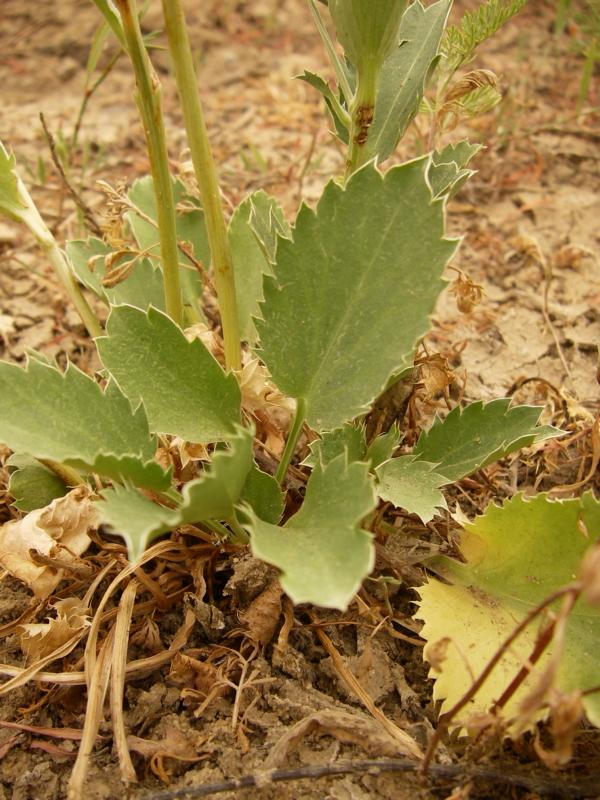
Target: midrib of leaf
[(357, 292)]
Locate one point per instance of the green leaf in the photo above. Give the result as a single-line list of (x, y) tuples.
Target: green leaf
[(348, 439), (517, 555), (139, 520), (479, 434), (383, 446), (448, 172), (404, 75), (461, 41), (354, 290), (217, 492), (261, 491), (112, 18), (67, 417), (250, 262), (366, 32), (268, 223), (323, 554), (339, 115), (32, 484), (191, 229), (134, 517), (412, 485), (11, 202), (143, 286), (183, 388)]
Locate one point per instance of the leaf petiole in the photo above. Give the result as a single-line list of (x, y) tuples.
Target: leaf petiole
[(292, 440)]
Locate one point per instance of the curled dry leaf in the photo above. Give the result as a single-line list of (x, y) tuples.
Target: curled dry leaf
[(174, 745), (262, 617), (566, 713), (38, 640), (59, 531), (468, 293), (350, 728)]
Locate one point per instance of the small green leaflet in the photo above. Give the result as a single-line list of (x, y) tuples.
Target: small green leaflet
[(353, 291), (339, 115), (134, 517), (382, 447), (250, 262), (479, 434), (142, 286), (262, 492), (32, 484), (183, 388), (268, 223), (412, 485), (404, 74), (139, 521), (67, 417), (348, 439), (448, 172), (11, 202), (516, 556), (323, 554), (215, 494)]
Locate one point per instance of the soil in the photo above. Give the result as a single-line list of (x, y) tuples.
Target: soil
[(529, 222)]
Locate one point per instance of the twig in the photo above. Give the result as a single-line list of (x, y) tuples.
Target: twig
[(438, 772), (87, 212), (402, 738)]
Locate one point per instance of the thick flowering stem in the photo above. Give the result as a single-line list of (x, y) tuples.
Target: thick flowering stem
[(149, 102), (206, 176)]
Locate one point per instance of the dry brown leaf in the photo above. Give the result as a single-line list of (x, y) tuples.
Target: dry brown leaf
[(148, 637), (59, 531), (345, 727), (40, 639), (566, 713), (189, 672), (262, 616), (174, 745)]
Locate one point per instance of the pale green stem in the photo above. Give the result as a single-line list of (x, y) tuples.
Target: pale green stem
[(31, 217), (362, 110), (149, 102), (67, 474), (292, 440), (239, 534), (206, 176)]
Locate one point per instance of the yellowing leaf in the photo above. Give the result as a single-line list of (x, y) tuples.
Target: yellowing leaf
[(517, 555), (60, 531)]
